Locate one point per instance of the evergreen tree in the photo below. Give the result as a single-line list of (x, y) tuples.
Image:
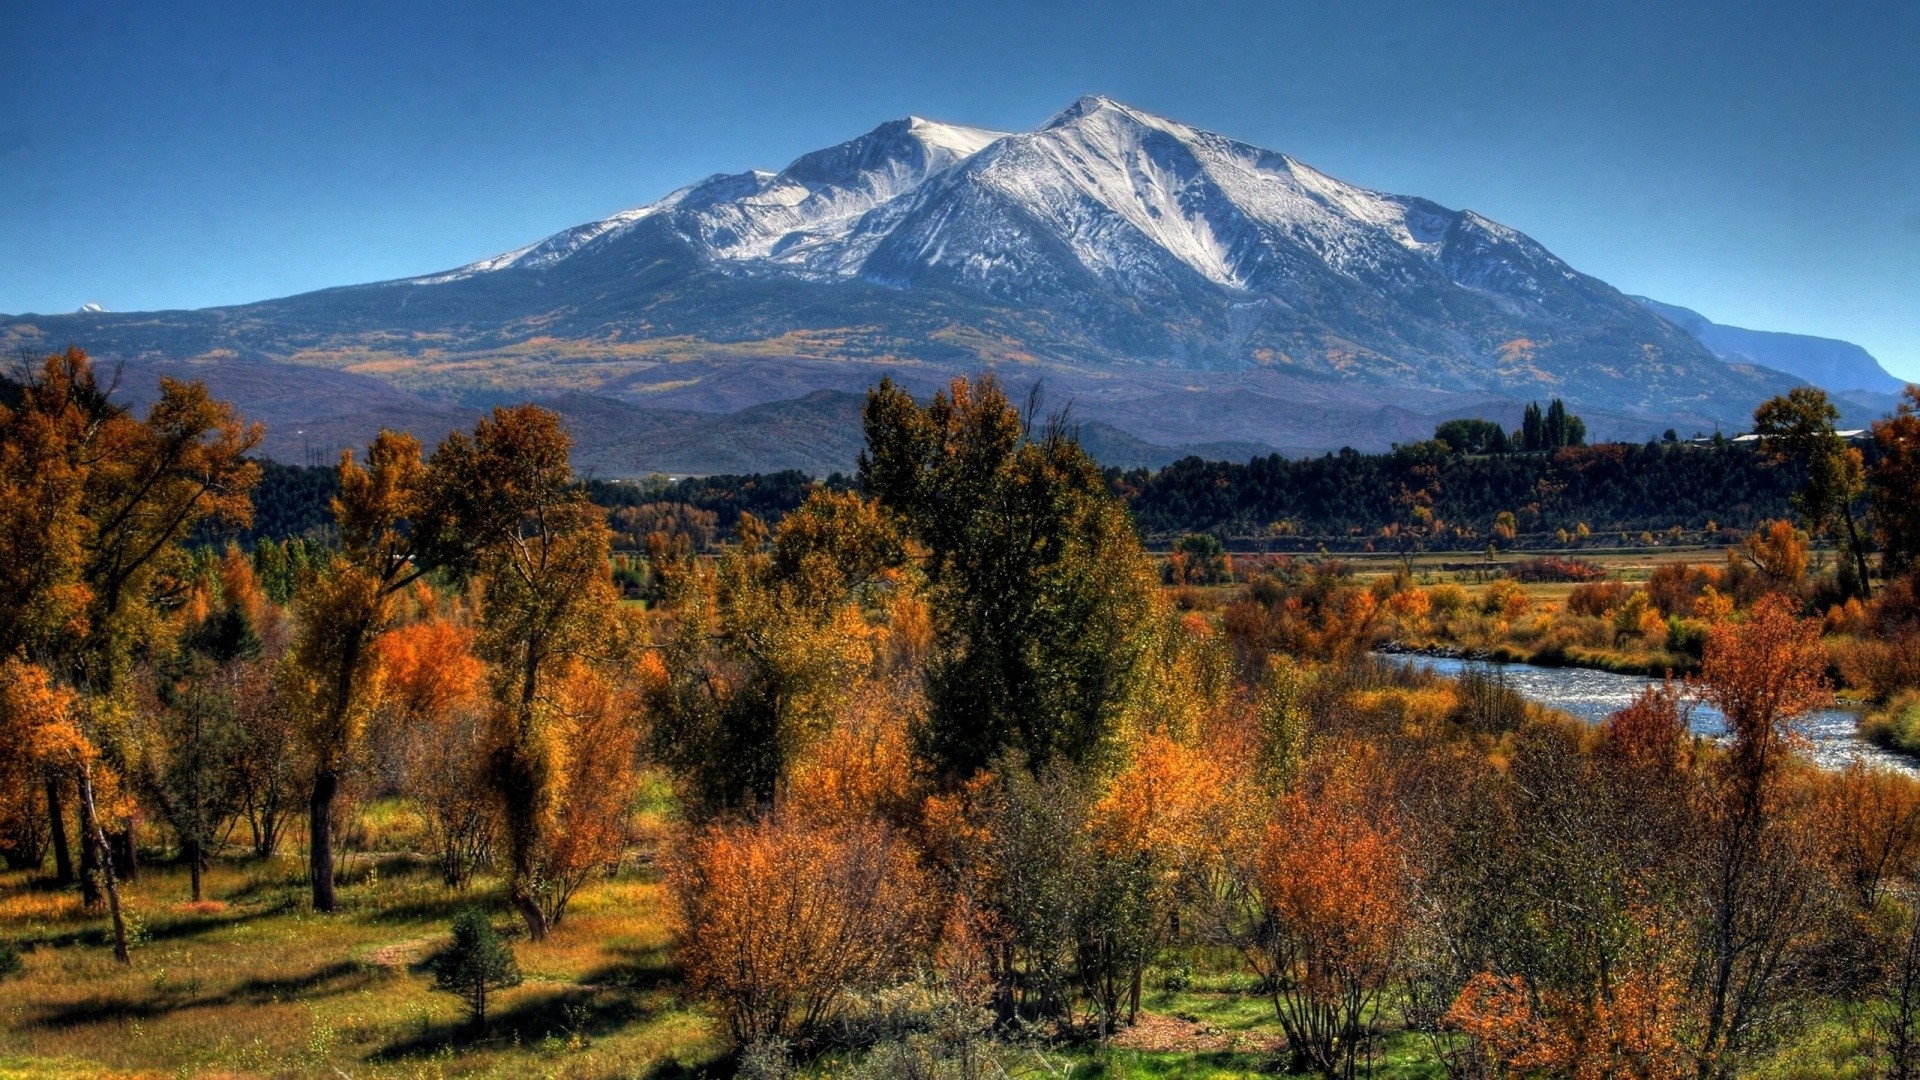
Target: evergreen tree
[(1555, 429), (1042, 596), (1532, 428), (477, 964)]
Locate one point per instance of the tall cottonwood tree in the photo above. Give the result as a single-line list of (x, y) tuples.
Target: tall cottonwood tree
[(1043, 600), (509, 510), (341, 610), (94, 505), (1798, 427), (768, 648), (1894, 485)]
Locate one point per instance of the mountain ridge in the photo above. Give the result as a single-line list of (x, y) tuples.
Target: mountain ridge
[(1181, 286)]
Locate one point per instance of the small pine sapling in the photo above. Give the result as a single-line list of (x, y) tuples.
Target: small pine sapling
[(478, 963)]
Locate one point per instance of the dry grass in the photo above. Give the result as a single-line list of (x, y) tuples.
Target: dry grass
[(250, 983)]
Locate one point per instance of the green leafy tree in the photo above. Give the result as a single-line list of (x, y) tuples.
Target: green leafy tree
[(477, 964), (1893, 484), (1467, 436), (1043, 600), (767, 647), (1798, 427)]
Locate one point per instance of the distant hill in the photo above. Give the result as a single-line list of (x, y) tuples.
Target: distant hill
[(1179, 287), (1836, 366)]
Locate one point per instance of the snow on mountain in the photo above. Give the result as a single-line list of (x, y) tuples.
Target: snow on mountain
[(793, 218), (1191, 286), (1102, 192)]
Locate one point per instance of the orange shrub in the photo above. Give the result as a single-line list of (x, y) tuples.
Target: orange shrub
[(1599, 599), (1333, 877), (779, 922)]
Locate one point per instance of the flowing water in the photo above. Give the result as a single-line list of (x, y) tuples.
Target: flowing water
[(1832, 735)]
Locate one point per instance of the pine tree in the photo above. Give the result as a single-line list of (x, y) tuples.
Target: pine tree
[(478, 963), (1532, 433)]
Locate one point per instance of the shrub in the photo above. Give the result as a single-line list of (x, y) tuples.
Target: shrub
[(477, 964), (780, 922), (9, 959), (1687, 636), (1487, 704), (1675, 587), (1598, 599), (1882, 668), (1556, 568), (1897, 727), (1504, 598), (1447, 599)]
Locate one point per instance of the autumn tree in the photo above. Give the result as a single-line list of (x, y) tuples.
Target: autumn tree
[(1798, 427), (341, 610), (1760, 876), (778, 922), (768, 646), (94, 505), (1893, 484), (1039, 589), (433, 691), (510, 512), (1333, 877), (42, 718), (592, 782)]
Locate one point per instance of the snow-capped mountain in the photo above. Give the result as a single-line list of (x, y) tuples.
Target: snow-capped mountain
[(1182, 285)]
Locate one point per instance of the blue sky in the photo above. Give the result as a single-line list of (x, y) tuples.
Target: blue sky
[(1759, 162)]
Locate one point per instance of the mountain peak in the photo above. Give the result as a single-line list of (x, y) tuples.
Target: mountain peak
[(1088, 105)]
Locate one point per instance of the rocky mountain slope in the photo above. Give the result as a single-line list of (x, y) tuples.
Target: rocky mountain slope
[(1175, 286)]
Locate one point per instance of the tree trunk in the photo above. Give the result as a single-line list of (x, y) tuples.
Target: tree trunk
[(193, 867), (57, 821), (1859, 555), (126, 861), (92, 854), (517, 796), (320, 829), (99, 837)]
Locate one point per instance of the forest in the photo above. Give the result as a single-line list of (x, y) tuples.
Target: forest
[(1436, 495), (933, 772)]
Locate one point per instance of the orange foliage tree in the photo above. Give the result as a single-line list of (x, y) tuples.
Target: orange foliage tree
[(42, 719), (94, 503), (592, 784), (508, 509), (434, 691), (779, 922), (1335, 881), (1761, 876), (341, 611)]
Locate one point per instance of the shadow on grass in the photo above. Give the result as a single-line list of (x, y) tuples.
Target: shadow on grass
[(435, 905), (98, 932), (337, 978), (640, 970), (560, 1013)]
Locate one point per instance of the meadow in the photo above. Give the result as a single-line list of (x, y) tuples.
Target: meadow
[(943, 776)]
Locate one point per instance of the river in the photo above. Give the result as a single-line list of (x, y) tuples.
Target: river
[(1832, 735)]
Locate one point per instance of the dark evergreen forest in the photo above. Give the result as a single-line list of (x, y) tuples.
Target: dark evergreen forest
[(1343, 499)]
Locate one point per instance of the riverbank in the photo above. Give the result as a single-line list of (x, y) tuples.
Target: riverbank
[(1834, 738), (1896, 727), (1653, 665)]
